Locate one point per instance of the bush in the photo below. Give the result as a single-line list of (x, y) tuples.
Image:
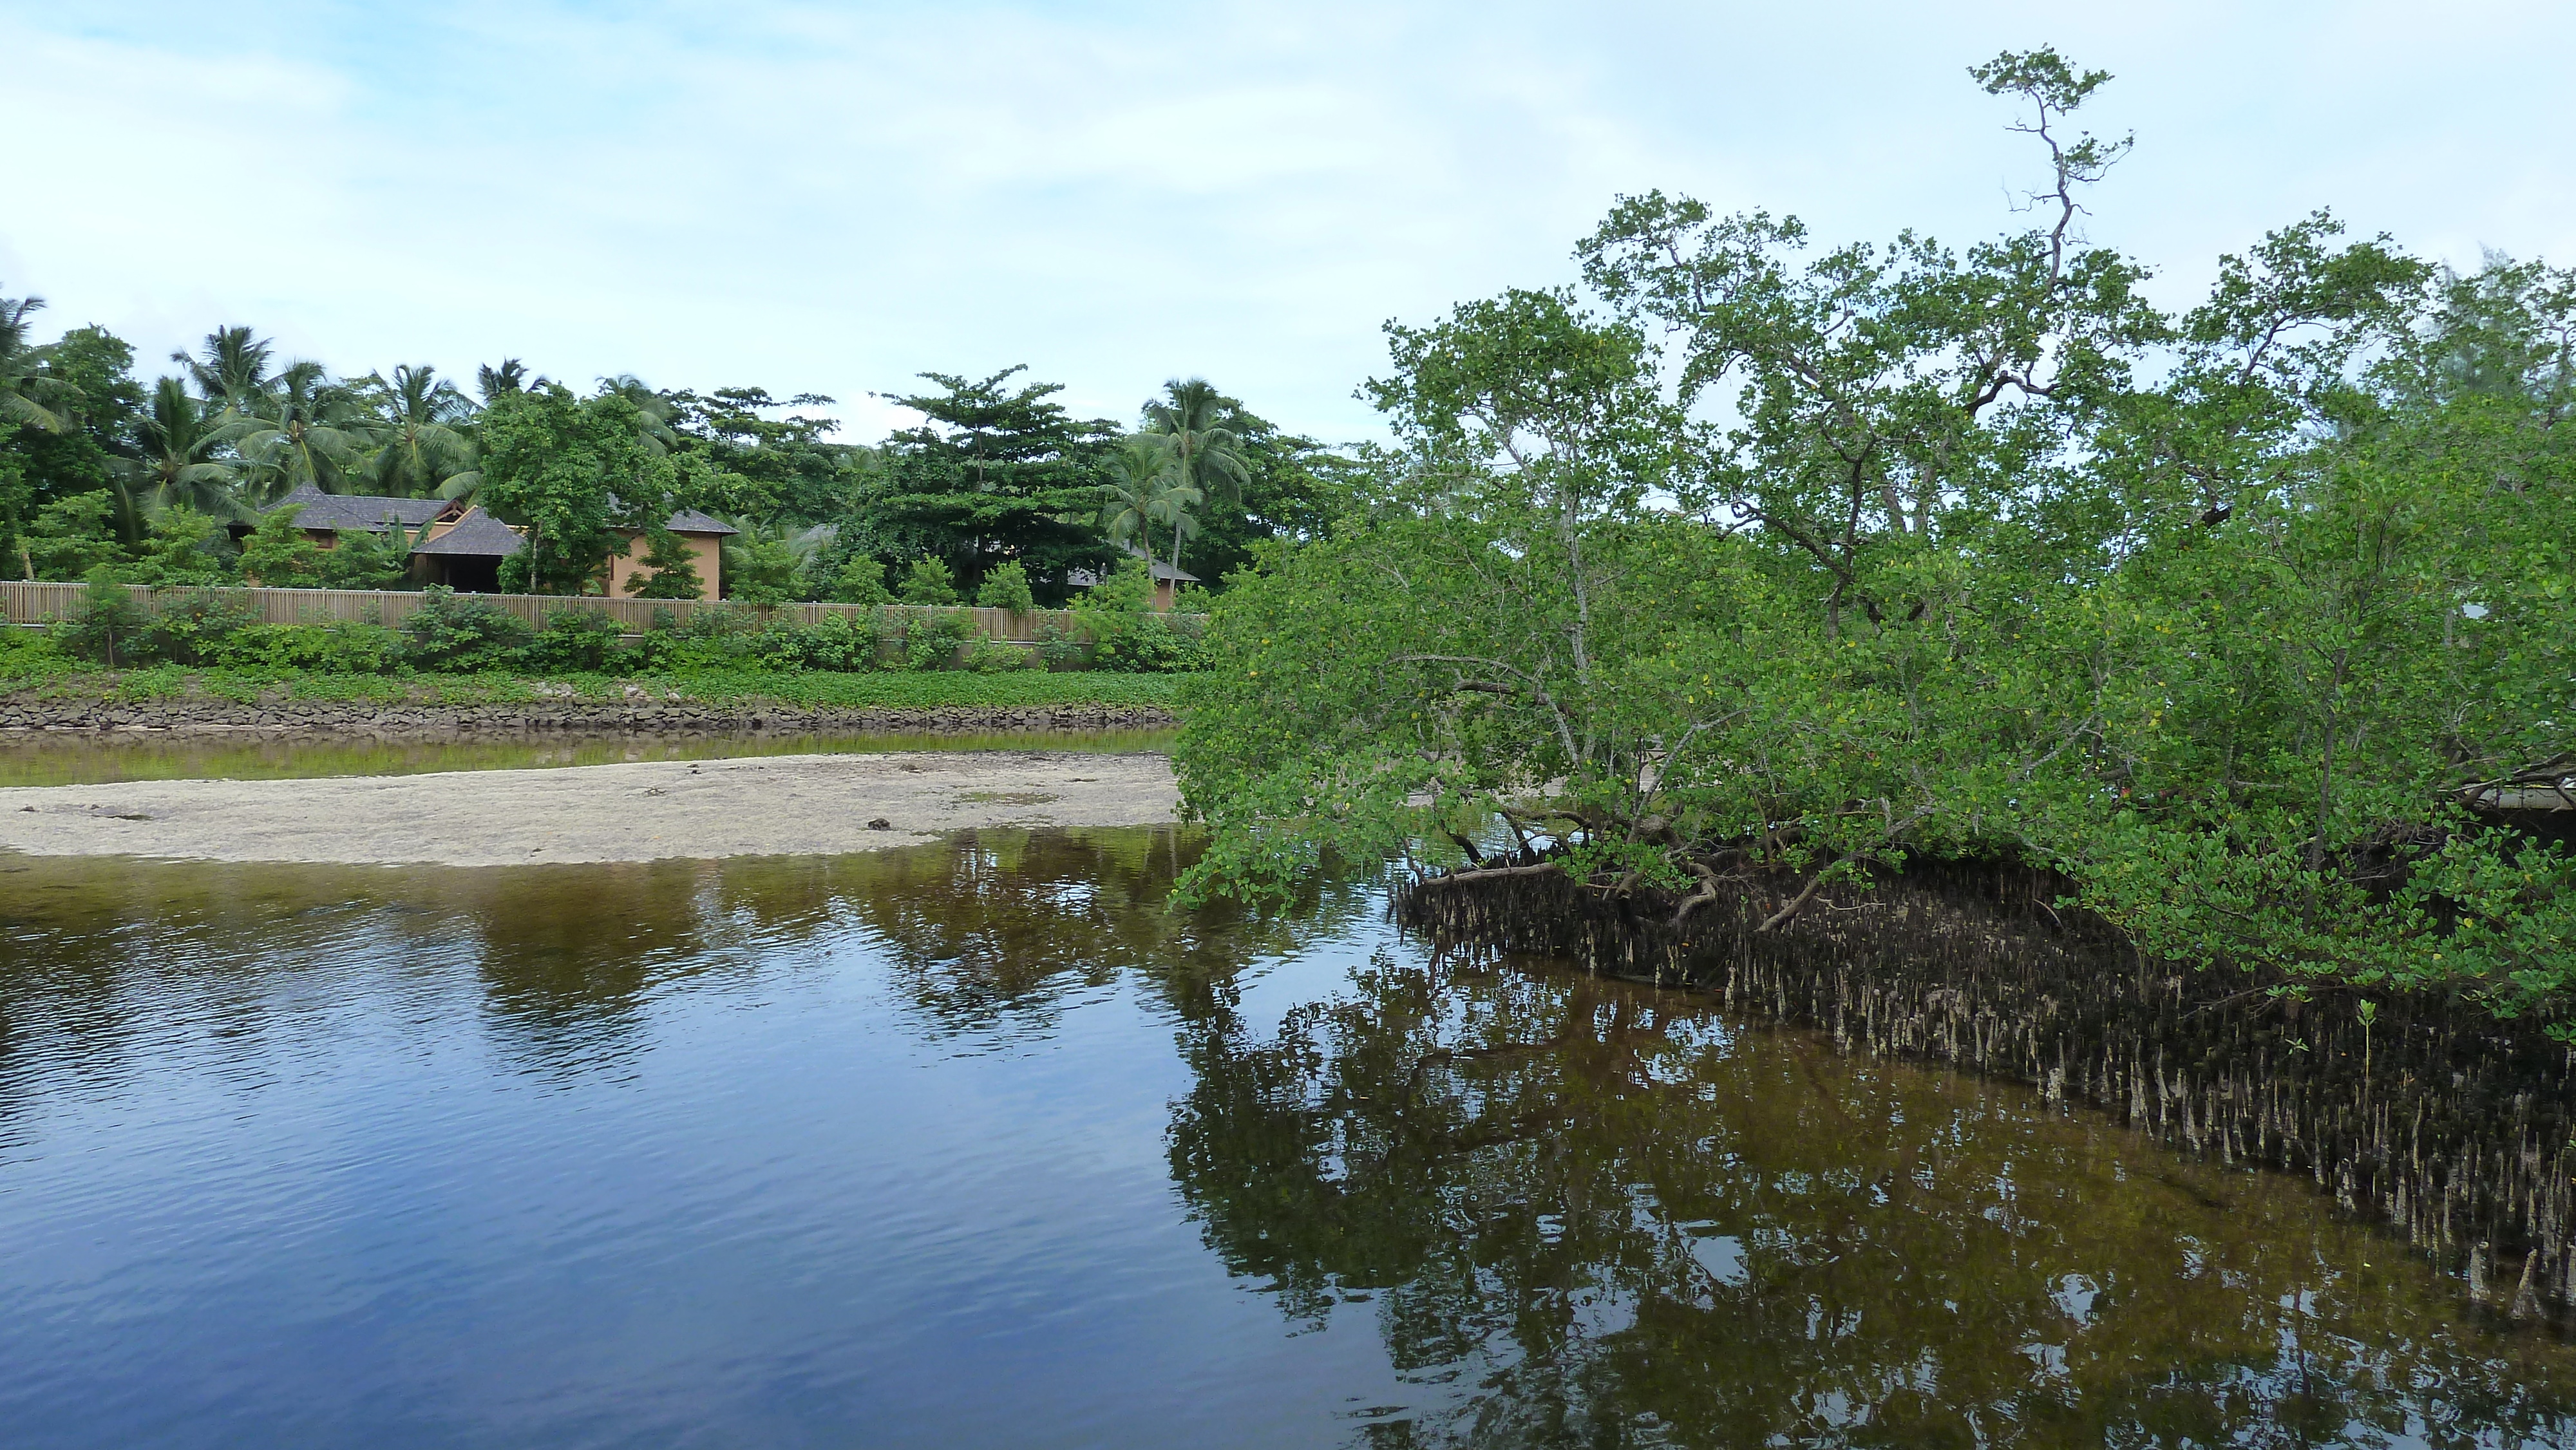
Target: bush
[(576, 641), (27, 653), (342, 647), (462, 633), (1124, 632), (194, 630), (931, 641), (109, 628), (1007, 588), (861, 581), (836, 644), (987, 655), (929, 582)]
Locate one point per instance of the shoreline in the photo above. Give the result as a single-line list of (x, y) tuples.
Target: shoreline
[(777, 805)]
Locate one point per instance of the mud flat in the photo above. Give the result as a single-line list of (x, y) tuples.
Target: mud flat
[(765, 806)]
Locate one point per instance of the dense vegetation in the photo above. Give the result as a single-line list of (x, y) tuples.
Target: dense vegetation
[(102, 475), (1745, 568)]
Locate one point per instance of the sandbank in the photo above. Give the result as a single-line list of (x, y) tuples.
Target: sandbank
[(767, 806)]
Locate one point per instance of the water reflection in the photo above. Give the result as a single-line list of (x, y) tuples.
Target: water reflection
[(1584, 1213), (978, 1142)]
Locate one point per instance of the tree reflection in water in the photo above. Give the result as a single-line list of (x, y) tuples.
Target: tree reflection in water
[(1584, 1213), (1575, 1211)]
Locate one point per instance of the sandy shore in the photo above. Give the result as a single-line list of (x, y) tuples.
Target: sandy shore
[(775, 805)]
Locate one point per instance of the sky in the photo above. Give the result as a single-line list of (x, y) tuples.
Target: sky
[(836, 198)]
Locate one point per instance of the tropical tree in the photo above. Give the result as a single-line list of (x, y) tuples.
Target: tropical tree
[(311, 429), (994, 472), (231, 370), (183, 441), (1131, 501), (653, 410), (509, 376), (423, 423), (577, 475), (24, 388), (1207, 455)]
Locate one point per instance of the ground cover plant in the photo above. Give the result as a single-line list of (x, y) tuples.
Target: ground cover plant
[(1749, 568)]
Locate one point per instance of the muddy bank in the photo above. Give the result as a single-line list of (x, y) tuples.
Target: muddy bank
[(639, 716), (655, 810), (2450, 1128)]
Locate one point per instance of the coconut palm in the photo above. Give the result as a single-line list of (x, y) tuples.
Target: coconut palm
[(230, 370), (653, 410), (1130, 503), (182, 438), (421, 421), (1207, 456), (310, 430), (510, 377), (24, 388)]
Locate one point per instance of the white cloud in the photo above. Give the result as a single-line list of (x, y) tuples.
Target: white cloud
[(836, 197)]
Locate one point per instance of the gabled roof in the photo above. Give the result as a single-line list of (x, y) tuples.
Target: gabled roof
[(687, 521), (478, 534), (690, 521), (371, 512)]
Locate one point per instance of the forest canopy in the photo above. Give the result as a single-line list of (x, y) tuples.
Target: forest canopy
[(1756, 565), (105, 475)]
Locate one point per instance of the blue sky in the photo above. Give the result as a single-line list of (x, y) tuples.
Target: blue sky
[(835, 197)]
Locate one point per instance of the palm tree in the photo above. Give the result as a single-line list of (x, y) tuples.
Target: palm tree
[(22, 379), (310, 430), (180, 436), (231, 369), (422, 419), (1206, 454), (1131, 502), (510, 377), (653, 421)]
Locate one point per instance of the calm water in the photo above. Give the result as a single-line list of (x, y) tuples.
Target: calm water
[(975, 1145), (88, 758)]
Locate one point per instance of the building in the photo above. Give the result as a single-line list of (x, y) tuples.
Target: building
[(462, 545), (1167, 579)]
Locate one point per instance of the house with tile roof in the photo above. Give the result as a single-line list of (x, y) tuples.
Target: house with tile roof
[(1167, 580), (462, 545)]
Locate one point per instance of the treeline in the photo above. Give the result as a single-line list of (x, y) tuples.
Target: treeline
[(1751, 570), (105, 475)]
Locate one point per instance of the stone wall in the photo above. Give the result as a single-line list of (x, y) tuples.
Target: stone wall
[(635, 716)]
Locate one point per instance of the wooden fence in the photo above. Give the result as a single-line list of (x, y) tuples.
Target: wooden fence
[(22, 602)]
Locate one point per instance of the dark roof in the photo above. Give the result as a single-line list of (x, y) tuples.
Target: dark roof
[(337, 511), (1163, 573), (478, 534), (690, 521)]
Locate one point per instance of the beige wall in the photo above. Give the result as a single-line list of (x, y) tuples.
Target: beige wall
[(629, 562)]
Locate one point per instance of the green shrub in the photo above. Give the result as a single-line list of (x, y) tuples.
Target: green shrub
[(341, 647), (836, 644), (462, 633), (31, 653), (576, 641), (932, 641), (194, 629), (929, 582), (108, 628), (987, 655), (1125, 634), (1007, 587), (861, 581)]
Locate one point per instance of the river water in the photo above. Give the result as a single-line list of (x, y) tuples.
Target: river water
[(976, 1144)]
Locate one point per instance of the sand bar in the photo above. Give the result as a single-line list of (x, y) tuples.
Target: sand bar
[(768, 806)]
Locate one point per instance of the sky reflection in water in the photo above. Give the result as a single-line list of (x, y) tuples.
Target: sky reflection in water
[(975, 1144)]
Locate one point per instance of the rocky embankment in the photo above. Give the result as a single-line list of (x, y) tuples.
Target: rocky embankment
[(425, 721)]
